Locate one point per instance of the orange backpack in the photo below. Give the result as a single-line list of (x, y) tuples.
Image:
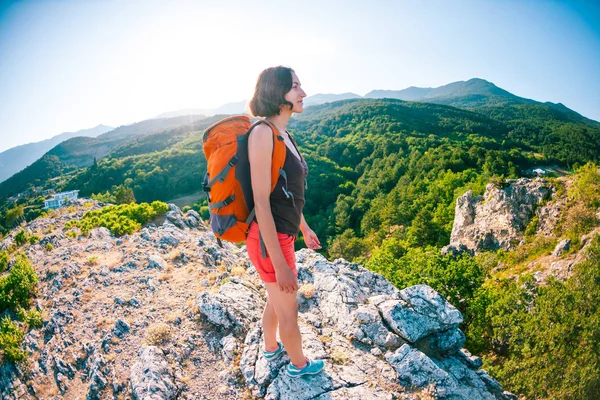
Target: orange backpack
[(227, 182)]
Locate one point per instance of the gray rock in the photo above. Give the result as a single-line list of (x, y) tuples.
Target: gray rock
[(414, 368), (442, 343), (121, 328), (151, 377), (175, 219), (497, 219), (101, 233), (470, 360), (235, 306), (420, 312), (230, 348), (561, 247), (156, 261), (174, 208)]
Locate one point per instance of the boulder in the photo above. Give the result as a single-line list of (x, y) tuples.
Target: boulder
[(151, 377)]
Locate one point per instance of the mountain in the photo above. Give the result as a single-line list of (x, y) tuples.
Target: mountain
[(321, 98), (15, 159), (239, 107), (81, 151)]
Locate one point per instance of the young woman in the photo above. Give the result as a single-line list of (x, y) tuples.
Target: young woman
[(277, 96)]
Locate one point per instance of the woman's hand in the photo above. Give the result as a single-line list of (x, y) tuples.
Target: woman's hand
[(311, 239), (286, 279)]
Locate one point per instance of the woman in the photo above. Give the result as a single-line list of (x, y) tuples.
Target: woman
[(277, 96)]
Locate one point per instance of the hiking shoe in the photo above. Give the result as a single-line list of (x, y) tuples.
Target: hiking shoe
[(311, 368), (271, 355)]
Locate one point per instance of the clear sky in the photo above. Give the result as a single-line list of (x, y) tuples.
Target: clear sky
[(71, 65)]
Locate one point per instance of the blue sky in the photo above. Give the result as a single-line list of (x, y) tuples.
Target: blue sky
[(71, 65)]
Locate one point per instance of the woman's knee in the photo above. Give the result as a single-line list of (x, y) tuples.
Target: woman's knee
[(288, 318)]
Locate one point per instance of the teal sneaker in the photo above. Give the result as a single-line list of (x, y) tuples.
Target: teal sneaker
[(271, 355), (311, 368)]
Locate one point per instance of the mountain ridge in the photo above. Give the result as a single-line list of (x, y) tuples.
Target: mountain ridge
[(14, 159)]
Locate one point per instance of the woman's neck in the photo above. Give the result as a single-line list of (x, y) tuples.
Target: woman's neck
[(280, 121)]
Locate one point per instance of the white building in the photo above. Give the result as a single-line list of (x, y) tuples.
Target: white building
[(59, 198)]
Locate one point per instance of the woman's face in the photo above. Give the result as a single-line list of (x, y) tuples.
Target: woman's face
[(296, 95)]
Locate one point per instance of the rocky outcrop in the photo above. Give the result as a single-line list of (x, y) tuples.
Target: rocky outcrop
[(121, 321), (497, 219), (378, 342), (151, 376)]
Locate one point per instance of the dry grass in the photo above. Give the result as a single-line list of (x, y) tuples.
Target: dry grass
[(165, 277), (339, 357), (308, 290), (46, 390), (238, 270), (104, 323), (174, 255), (157, 334), (325, 339)]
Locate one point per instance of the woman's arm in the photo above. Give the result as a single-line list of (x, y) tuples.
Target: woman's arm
[(260, 152), (310, 237)]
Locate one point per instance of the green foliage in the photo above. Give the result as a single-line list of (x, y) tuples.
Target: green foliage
[(11, 338), (587, 186), (546, 338), (21, 238), (105, 197), (32, 317), (16, 291), (3, 260), (456, 278), (121, 219), (19, 285), (13, 215), (49, 247)]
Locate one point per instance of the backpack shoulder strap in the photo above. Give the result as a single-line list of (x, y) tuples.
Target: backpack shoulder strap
[(279, 151)]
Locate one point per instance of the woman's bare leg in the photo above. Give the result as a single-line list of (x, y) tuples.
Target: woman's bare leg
[(286, 309), (269, 325)]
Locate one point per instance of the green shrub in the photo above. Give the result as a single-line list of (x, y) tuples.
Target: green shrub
[(11, 338), (3, 260), (33, 318), (49, 247), (123, 219), (19, 286), (33, 239), (586, 187), (21, 238)]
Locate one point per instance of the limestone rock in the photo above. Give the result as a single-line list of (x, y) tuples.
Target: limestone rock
[(235, 306), (156, 261), (420, 312), (497, 219), (561, 247), (151, 376)]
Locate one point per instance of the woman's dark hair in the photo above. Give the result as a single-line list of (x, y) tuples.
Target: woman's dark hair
[(271, 87)]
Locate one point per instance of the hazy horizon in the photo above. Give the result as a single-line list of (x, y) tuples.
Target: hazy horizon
[(68, 66)]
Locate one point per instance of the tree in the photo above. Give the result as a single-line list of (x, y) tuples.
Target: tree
[(124, 194)]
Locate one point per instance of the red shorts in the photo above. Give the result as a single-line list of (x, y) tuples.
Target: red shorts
[(264, 266)]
